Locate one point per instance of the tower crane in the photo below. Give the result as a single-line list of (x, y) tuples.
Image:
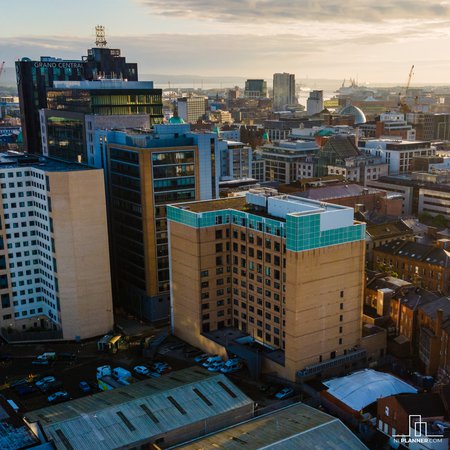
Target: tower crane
[(403, 106)]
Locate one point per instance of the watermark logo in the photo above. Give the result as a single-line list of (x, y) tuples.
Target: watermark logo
[(418, 432)]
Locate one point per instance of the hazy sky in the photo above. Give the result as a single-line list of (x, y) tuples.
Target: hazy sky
[(374, 41)]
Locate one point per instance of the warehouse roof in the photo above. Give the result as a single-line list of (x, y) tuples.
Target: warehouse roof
[(297, 426), (137, 412), (362, 388)]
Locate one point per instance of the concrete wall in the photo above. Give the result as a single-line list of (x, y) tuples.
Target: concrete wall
[(81, 252), (317, 283)]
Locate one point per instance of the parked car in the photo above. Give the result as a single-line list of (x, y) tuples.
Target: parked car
[(48, 356), (24, 389), (84, 386), (141, 370), (52, 386), (58, 397), (154, 375), (161, 367), (231, 368), (210, 360), (216, 366), (176, 346), (285, 393), (44, 381), (67, 356), (40, 362), (201, 358)]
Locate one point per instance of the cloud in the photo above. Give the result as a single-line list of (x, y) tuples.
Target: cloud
[(292, 11), (339, 53)]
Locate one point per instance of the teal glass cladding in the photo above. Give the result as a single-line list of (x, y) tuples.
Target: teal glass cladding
[(302, 232)]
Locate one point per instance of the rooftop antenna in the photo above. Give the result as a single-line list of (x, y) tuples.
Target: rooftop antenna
[(100, 38)]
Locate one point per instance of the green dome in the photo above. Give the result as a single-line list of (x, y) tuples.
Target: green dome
[(176, 120)]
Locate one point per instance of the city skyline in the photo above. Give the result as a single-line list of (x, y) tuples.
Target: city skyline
[(374, 43)]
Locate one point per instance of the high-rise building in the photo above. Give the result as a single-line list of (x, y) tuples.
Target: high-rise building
[(191, 109), (145, 172), (77, 108), (35, 77), (54, 258), (235, 160), (255, 89), (314, 104), (283, 160), (274, 279), (283, 90)]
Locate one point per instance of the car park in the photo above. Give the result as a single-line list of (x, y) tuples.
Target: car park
[(84, 386), (58, 397), (141, 370), (284, 393)]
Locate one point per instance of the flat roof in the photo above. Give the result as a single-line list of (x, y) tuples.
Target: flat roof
[(17, 160), (238, 203), (297, 426), (135, 413)]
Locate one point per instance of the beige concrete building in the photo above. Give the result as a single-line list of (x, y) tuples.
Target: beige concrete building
[(55, 272), (277, 280)]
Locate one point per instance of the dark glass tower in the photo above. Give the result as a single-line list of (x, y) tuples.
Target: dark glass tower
[(34, 78)]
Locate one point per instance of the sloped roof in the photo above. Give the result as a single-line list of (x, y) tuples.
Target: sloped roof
[(297, 426), (362, 388), (414, 250), (343, 146), (134, 413), (334, 191), (430, 309), (390, 229)]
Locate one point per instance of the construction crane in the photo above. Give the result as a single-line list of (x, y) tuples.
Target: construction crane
[(403, 106)]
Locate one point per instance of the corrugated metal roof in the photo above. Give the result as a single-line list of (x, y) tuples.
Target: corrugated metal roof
[(296, 427), (110, 419)]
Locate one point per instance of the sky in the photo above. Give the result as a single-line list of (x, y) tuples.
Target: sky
[(373, 41)]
